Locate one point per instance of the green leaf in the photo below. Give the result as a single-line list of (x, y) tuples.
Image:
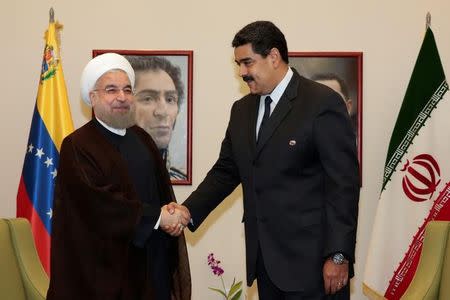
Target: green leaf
[(235, 287), (219, 291), (236, 297)]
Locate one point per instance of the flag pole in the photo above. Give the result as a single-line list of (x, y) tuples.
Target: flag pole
[(428, 21), (52, 15)]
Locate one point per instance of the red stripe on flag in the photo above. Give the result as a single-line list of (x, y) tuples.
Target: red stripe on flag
[(23, 209), (41, 237)]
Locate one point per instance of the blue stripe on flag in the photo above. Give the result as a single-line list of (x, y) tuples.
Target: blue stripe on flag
[(40, 169)]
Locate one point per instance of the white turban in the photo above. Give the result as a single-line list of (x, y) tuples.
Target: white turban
[(98, 66)]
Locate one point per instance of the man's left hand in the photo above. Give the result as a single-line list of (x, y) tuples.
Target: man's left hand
[(335, 276)]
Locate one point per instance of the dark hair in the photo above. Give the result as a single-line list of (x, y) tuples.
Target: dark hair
[(332, 76), (155, 63), (263, 36)]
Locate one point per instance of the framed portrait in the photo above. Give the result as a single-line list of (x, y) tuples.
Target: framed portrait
[(342, 71), (163, 95)]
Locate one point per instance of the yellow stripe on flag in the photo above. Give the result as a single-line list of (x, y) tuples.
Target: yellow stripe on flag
[(52, 101)]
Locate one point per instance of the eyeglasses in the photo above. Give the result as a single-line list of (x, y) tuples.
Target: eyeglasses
[(115, 91)]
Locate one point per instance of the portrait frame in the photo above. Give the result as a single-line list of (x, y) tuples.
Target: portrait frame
[(346, 65), (179, 160)]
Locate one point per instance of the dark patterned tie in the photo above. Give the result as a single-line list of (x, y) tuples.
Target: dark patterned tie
[(266, 115)]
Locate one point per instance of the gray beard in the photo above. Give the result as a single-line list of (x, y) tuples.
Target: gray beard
[(118, 121), (121, 122)]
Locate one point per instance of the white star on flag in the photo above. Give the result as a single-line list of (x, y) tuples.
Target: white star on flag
[(30, 148), (40, 152), (50, 213), (48, 161), (54, 173)]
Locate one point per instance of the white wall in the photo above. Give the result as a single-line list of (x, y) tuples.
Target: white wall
[(388, 32)]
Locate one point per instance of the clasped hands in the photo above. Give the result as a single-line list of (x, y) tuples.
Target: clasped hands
[(174, 218)]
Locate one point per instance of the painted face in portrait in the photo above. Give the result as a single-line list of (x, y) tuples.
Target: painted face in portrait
[(255, 70), (113, 101), (156, 105)]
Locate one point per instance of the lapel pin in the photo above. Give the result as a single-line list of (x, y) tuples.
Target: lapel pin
[(292, 143)]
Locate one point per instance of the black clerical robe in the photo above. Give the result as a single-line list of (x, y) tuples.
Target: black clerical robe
[(97, 219)]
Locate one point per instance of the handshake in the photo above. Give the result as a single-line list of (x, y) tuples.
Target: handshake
[(174, 218)]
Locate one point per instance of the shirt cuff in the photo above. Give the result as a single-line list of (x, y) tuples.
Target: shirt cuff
[(157, 223)]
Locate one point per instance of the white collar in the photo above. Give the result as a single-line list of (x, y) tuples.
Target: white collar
[(117, 131), (281, 87)]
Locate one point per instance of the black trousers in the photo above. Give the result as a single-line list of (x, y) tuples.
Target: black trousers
[(267, 290)]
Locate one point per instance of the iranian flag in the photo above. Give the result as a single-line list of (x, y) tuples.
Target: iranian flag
[(416, 182)]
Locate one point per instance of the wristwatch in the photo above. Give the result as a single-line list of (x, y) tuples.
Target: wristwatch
[(338, 258)]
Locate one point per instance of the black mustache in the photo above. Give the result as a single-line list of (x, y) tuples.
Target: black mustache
[(247, 78)]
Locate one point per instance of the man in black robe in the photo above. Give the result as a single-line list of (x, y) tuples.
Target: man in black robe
[(109, 202)]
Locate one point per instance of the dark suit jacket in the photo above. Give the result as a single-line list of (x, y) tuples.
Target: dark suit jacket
[(300, 183)]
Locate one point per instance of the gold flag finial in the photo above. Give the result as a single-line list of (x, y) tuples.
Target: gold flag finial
[(52, 15), (428, 20)]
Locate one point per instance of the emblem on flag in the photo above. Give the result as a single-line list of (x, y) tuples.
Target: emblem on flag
[(421, 178), (49, 63)]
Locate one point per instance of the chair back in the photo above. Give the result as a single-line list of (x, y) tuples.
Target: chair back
[(428, 282), (444, 290), (34, 278), (11, 285)]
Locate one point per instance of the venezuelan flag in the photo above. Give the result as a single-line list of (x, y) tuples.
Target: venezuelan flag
[(51, 123)]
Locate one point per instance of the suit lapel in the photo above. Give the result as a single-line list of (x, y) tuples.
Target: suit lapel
[(281, 110)]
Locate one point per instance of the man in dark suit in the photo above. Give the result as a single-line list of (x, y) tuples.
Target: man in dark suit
[(295, 157)]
